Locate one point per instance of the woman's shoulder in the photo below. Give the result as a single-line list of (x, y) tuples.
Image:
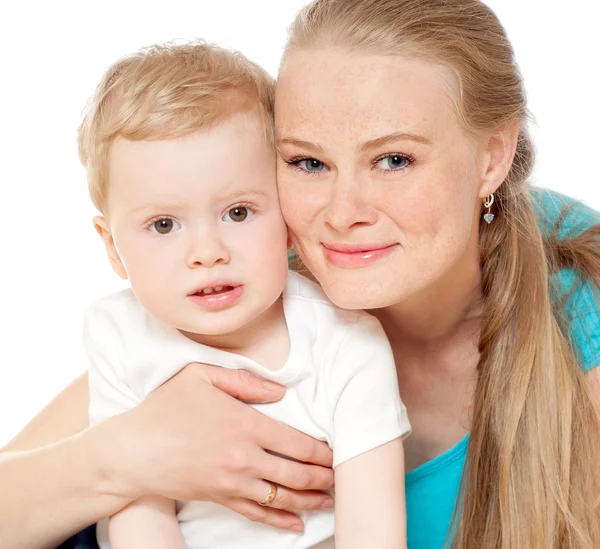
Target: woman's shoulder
[(576, 297), (562, 215)]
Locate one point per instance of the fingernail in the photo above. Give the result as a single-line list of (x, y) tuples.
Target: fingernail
[(327, 504), (269, 385), (297, 528)]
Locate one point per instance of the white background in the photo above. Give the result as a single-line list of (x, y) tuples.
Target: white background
[(52, 54)]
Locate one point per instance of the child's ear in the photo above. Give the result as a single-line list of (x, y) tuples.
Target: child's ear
[(103, 230)]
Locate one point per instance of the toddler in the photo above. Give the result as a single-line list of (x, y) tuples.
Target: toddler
[(178, 146)]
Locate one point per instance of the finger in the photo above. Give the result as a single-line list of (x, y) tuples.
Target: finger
[(291, 499), (265, 515), (287, 441), (295, 475), (243, 385)]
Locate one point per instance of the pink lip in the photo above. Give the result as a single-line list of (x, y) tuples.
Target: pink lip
[(217, 301), (352, 256)]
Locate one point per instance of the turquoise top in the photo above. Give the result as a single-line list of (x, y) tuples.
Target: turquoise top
[(432, 488)]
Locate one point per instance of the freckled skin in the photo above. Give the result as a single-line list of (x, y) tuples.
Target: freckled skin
[(337, 101)]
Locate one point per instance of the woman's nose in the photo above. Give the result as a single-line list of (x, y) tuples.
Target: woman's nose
[(349, 207)]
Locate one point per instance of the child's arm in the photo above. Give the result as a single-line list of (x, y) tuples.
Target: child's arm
[(370, 509), (148, 523), (369, 423), (151, 521)]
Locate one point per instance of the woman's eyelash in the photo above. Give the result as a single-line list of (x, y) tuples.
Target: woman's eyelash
[(297, 159), (295, 164), (410, 160), (406, 159)]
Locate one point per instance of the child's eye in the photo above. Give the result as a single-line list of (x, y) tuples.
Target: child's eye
[(237, 214), (165, 225), (393, 162)]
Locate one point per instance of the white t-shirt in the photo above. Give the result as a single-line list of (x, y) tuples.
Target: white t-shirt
[(341, 387)]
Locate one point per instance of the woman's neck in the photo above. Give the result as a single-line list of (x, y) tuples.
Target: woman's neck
[(448, 310), (434, 336)]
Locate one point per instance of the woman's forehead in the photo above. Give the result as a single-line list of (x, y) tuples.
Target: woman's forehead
[(349, 89)]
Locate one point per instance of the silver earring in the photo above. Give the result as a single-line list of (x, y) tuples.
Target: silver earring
[(488, 216)]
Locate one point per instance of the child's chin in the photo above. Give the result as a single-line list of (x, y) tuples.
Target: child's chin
[(214, 326)]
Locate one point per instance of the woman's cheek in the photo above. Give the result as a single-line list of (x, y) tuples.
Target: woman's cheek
[(291, 207), (299, 207)]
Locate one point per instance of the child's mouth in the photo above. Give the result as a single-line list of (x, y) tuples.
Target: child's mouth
[(217, 297), (214, 291)]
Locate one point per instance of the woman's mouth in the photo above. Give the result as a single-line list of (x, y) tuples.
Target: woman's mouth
[(352, 256)]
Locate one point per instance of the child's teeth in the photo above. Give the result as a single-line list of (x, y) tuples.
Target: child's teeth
[(211, 290)]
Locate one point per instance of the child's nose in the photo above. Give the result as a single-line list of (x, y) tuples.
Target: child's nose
[(207, 252)]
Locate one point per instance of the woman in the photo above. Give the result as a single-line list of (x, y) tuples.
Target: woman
[(403, 159)]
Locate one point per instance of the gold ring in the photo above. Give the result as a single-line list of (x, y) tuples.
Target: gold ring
[(270, 496)]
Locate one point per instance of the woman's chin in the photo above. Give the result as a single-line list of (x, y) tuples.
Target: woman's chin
[(353, 297)]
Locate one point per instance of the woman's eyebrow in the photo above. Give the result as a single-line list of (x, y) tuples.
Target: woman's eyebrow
[(392, 137), (299, 143)]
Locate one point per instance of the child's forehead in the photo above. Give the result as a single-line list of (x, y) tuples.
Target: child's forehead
[(228, 164), (228, 159), (233, 141), (195, 192), (182, 202)]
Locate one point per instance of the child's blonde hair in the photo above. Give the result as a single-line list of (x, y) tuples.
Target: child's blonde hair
[(167, 91)]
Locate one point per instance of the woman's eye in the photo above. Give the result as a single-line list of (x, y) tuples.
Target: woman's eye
[(310, 165), (238, 214), (393, 162), (164, 226)]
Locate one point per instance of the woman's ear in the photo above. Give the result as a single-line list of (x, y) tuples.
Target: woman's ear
[(500, 150), (103, 229)]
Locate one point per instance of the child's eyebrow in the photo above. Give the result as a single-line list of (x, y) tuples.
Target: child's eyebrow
[(152, 206), (177, 206), (241, 194)]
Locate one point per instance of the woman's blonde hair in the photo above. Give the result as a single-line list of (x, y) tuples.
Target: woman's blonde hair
[(531, 478), (167, 91)]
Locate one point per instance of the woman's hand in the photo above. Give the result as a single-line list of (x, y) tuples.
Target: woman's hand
[(191, 439)]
